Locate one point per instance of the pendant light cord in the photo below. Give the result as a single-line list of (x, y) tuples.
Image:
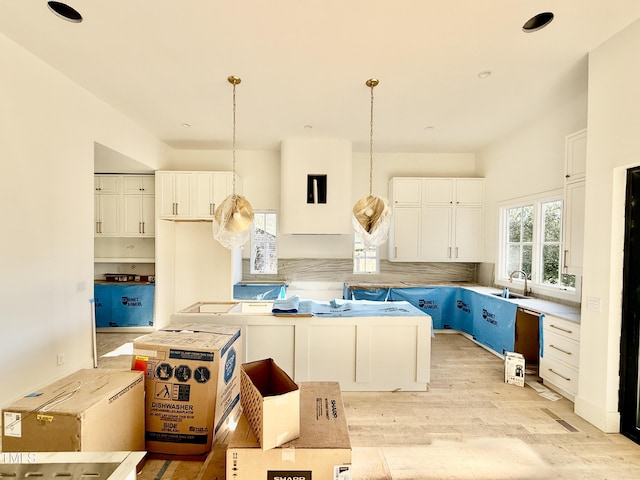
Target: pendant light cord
[(233, 143), (371, 145)]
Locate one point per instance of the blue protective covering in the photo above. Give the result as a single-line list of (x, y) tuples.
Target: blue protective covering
[(434, 301), (286, 305), (259, 291), (376, 294), (124, 305), (493, 321)]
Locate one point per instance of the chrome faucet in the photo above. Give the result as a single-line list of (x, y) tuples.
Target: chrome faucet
[(524, 274)]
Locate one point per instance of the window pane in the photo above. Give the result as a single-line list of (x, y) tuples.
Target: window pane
[(527, 223), (365, 259), (552, 215), (527, 258), (514, 217), (550, 264), (568, 281), (264, 256)]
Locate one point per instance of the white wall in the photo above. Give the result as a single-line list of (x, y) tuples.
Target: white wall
[(529, 161), (48, 126), (612, 147)]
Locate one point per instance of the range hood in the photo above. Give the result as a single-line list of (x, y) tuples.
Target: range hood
[(315, 179)]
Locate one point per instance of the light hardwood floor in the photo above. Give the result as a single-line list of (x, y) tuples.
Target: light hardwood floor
[(469, 425)]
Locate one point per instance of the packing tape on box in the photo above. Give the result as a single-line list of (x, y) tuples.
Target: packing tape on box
[(288, 454)]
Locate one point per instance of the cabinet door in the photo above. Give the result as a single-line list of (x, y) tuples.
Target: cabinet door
[(435, 234), (203, 194), (138, 184), (438, 191), (576, 156), (223, 186), (574, 227), (148, 216), (174, 197), (132, 213), (468, 234), (405, 236), (106, 183), (470, 191), (406, 191), (107, 210)]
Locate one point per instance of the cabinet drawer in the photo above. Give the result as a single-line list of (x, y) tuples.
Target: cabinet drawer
[(562, 327), (564, 348), (560, 374)]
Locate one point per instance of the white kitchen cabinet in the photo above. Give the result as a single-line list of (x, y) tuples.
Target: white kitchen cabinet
[(560, 355), (211, 188), (107, 215), (139, 215), (448, 221), (576, 156), (574, 198), (174, 196), (574, 201), (107, 183), (138, 184)]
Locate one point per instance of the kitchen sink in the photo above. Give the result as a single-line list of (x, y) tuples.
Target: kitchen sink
[(510, 295)]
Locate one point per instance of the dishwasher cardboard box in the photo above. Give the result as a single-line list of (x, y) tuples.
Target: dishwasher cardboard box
[(321, 452), (89, 410), (271, 402), (192, 386)]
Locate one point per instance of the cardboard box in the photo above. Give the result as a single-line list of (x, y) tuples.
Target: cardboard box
[(514, 368), (192, 386), (271, 402), (322, 452), (89, 410)]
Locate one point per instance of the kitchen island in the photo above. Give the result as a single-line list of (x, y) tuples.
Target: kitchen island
[(380, 351)]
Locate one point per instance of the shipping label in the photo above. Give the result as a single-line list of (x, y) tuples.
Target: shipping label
[(12, 424)]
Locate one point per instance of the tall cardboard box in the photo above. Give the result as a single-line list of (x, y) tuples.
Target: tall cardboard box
[(89, 410), (321, 452), (271, 402), (192, 386)]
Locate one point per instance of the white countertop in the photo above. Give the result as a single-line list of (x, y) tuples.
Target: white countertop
[(547, 307)]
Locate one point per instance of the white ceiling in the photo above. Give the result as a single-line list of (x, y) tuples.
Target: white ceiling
[(305, 63)]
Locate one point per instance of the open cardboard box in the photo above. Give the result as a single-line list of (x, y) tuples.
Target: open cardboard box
[(271, 402)]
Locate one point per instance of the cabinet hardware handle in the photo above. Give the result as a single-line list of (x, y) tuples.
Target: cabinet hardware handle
[(561, 376), (140, 227), (449, 254), (143, 227), (560, 328), (456, 252), (561, 350), (211, 209), (564, 262)]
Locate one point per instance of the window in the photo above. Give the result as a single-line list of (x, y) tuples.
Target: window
[(532, 242), (365, 259), (264, 257)]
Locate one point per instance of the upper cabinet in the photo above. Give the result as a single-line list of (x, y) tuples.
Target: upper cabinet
[(576, 156), (574, 201), (184, 195), (124, 205), (436, 219)]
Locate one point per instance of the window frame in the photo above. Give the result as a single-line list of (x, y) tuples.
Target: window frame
[(252, 254), (534, 283), (358, 257)]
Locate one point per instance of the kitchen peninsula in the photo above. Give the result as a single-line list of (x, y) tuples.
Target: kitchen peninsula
[(380, 351)]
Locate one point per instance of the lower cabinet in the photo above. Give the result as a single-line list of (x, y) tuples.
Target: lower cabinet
[(560, 355)]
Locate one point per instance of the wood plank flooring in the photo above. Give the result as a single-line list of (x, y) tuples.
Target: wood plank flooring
[(469, 425)]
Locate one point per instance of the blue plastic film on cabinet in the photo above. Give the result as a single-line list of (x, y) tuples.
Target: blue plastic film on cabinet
[(124, 305)]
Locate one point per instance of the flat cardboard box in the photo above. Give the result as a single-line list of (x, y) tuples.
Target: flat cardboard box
[(192, 386), (89, 410), (514, 368), (322, 452), (271, 402)]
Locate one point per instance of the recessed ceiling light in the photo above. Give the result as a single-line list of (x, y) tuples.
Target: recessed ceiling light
[(308, 127), (186, 125), (538, 22), (65, 12), (429, 128), (484, 74)]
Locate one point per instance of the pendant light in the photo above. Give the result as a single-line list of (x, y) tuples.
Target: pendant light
[(233, 217), (371, 214)]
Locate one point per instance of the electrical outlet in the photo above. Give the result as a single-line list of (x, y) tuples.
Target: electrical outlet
[(60, 359)]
